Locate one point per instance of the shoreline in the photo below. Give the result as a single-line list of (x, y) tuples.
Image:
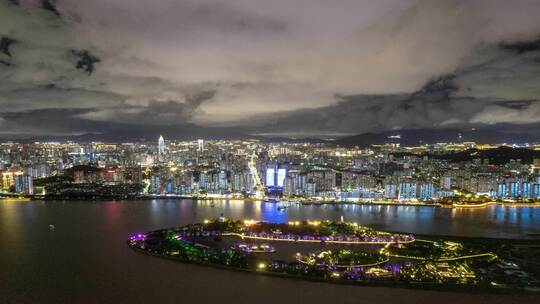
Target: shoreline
[(278, 201)]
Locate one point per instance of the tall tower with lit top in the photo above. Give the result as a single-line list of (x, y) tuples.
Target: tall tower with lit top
[(161, 148)]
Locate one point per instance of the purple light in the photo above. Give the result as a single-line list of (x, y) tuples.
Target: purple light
[(138, 237)]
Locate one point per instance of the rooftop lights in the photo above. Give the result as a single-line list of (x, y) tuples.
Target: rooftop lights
[(249, 222)]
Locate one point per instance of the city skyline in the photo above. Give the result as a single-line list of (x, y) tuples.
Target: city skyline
[(233, 69)]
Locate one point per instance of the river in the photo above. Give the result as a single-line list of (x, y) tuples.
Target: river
[(85, 258)]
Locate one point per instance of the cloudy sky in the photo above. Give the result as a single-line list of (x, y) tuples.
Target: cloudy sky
[(280, 67)]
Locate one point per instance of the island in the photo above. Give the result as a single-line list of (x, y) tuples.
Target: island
[(343, 252)]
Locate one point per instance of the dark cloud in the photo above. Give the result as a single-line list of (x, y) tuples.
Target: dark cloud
[(522, 46), (302, 66), (153, 113), (5, 44), (50, 6), (85, 61)]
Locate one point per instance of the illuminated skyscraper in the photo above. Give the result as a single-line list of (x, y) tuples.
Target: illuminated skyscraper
[(161, 148), (513, 189), (407, 190), (270, 177), (200, 143), (536, 190), (155, 184), (427, 191), (501, 190), (390, 191), (222, 180), (24, 184), (526, 190), (281, 174)]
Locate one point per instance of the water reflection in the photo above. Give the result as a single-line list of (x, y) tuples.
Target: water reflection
[(87, 255), (493, 221)]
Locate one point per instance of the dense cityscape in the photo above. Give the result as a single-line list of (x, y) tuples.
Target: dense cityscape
[(309, 172)]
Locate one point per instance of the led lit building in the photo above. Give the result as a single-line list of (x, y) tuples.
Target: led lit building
[(513, 189), (280, 177), (222, 180), (390, 191), (275, 176), (200, 145), (310, 189), (407, 190), (155, 184), (501, 190), (270, 177), (8, 178), (536, 190), (203, 180), (526, 190), (426, 191), (24, 184), (161, 149)]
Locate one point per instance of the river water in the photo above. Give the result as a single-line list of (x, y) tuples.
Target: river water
[(85, 258)]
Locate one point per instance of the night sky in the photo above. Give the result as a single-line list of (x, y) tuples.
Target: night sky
[(280, 67)]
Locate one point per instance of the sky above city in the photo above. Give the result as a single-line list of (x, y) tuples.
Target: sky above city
[(280, 67)]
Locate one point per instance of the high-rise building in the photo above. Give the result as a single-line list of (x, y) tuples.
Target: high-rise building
[(310, 188), (446, 182), (200, 145), (513, 189), (280, 178), (390, 191), (222, 180), (155, 184), (526, 190), (426, 191), (536, 190), (407, 190), (288, 186), (161, 148), (8, 179), (203, 179), (501, 190), (485, 183), (237, 182), (270, 177), (24, 184), (250, 181), (170, 187)]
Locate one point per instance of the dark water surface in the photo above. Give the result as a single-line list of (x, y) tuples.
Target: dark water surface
[(85, 259)]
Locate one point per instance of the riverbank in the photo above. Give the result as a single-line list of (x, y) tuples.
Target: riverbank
[(15, 199), (281, 201)]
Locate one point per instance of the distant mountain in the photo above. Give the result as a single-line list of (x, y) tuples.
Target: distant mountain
[(487, 135), (138, 133), (284, 139), (133, 133), (499, 156)]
